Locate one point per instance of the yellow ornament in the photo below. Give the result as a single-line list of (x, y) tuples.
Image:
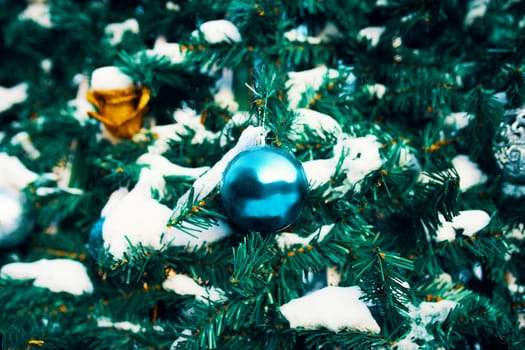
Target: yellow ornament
[(121, 111)]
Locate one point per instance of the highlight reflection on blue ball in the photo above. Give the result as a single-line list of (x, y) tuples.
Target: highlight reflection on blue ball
[(264, 189)]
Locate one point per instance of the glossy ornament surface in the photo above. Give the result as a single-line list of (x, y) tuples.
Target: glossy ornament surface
[(95, 240), (264, 189), (16, 221), (508, 146)]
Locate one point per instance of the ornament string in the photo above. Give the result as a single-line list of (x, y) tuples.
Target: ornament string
[(261, 121), (261, 117), (261, 102)]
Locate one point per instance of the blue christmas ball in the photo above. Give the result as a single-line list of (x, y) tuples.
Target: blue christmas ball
[(95, 240), (264, 189)]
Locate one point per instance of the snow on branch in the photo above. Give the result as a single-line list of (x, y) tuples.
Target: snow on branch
[(57, 275), (334, 308)]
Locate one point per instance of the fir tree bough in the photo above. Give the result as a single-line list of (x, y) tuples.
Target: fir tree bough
[(391, 106)]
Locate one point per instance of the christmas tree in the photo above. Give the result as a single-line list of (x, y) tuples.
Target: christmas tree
[(262, 174)]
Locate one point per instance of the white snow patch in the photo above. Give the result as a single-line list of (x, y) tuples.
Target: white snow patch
[(425, 314), (371, 34), (156, 234), (334, 308), (362, 157), (37, 12), (476, 9), (115, 197), (110, 78), (172, 6), (115, 31), (46, 65), (517, 232), (469, 173), (23, 140), (226, 99), (501, 97), (397, 42), (189, 118), (512, 285), (469, 221), (321, 126), (200, 236), (444, 278), (105, 322), (152, 177), (14, 174), (165, 134), (224, 96), (137, 218), (299, 35), (57, 275), (319, 171), (219, 31), (300, 82), (458, 120), (12, 96), (185, 285), (171, 50), (446, 231), (516, 288), (286, 240), (185, 334), (187, 123), (376, 90), (79, 108), (47, 191)]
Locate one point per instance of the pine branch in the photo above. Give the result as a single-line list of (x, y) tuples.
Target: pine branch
[(197, 215)]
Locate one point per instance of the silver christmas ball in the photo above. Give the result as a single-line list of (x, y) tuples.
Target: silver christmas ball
[(508, 146), (15, 218)]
